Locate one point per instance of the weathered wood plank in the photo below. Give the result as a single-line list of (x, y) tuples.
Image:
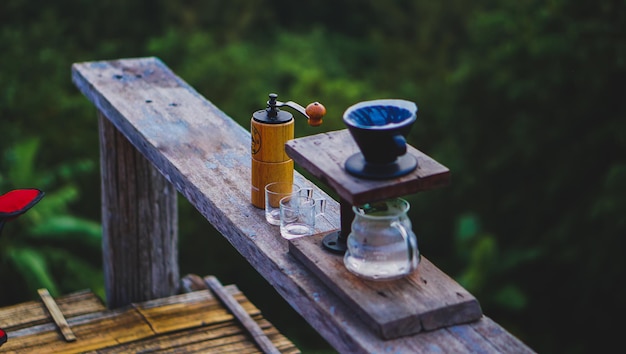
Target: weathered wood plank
[(498, 337), (427, 299), (206, 156)]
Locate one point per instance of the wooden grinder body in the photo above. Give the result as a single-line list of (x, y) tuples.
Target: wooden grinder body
[(270, 163)]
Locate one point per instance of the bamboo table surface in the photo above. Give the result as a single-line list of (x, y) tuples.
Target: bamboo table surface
[(191, 322)]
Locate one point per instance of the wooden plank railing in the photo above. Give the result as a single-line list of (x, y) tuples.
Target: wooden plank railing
[(152, 121)]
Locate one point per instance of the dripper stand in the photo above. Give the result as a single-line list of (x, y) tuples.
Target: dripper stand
[(323, 155), (423, 300)]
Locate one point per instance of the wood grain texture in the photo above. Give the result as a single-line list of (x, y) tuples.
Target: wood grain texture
[(139, 223), (242, 316), (269, 139), (32, 313), (425, 300), (324, 155), (193, 322), (57, 315), (264, 173), (206, 156), (270, 163)]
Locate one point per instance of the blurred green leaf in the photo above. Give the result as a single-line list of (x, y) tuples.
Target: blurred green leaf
[(33, 266), (468, 228), (70, 229), (511, 297), (22, 161)]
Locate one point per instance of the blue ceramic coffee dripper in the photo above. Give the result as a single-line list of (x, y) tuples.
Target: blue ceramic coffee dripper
[(380, 128)]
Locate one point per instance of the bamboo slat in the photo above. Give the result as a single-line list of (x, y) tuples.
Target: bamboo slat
[(57, 315), (242, 316)]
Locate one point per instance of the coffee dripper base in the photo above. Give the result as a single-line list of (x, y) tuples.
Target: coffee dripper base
[(357, 166), (335, 243)]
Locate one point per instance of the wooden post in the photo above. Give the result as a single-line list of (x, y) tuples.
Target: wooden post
[(139, 223)]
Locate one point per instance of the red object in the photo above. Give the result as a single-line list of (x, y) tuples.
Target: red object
[(3, 337), (17, 202), (12, 205)]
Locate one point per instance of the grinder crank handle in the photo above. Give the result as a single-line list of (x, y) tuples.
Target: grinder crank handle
[(313, 112)]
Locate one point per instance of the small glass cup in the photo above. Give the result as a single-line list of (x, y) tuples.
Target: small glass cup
[(297, 215), (276, 191)]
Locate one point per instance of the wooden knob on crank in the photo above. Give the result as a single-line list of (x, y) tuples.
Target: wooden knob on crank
[(315, 111)]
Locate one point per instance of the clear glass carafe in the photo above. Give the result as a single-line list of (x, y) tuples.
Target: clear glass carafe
[(382, 244)]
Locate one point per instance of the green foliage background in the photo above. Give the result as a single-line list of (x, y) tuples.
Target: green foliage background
[(523, 101)]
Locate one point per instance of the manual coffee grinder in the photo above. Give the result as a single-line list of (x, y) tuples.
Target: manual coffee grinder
[(270, 129)]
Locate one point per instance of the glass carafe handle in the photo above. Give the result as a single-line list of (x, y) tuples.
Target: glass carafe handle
[(409, 243)]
